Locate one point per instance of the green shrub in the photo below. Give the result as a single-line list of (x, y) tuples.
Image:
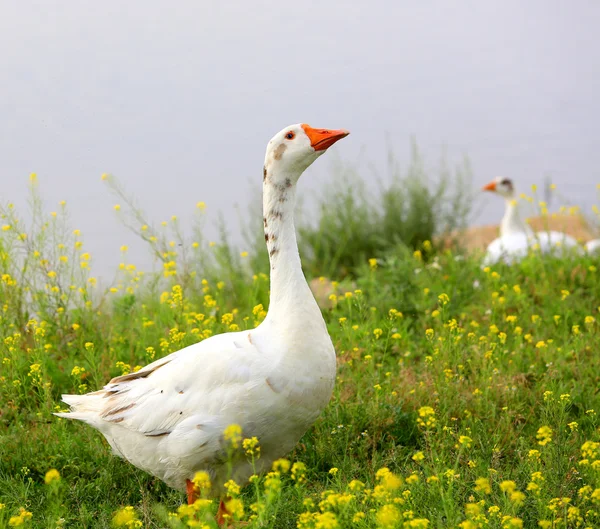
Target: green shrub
[(357, 220)]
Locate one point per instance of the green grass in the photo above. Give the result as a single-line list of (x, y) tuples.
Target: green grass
[(359, 217), (464, 383)]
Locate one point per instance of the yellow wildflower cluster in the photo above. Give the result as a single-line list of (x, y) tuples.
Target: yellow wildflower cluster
[(126, 517), (233, 434), (426, 418)]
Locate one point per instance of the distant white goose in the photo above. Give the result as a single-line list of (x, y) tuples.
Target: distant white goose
[(168, 418), (516, 237)]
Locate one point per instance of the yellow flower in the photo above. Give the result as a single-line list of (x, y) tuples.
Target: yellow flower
[(388, 516), (327, 520), (117, 207), (201, 206), (333, 471), (589, 449), (388, 480), (417, 523), (281, 465), (358, 517), (373, 263), (21, 518), (51, 475), (544, 435), (483, 485), (512, 523), (517, 497), (233, 433), (251, 447), (235, 507), (377, 333), (426, 417), (418, 456), (508, 486), (444, 299), (465, 441), (126, 517), (232, 488), (76, 371), (299, 472), (355, 485), (201, 480)]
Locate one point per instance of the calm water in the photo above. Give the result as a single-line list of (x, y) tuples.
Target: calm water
[(179, 103)]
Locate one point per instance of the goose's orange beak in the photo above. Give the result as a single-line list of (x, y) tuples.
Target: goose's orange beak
[(489, 187), (321, 139)]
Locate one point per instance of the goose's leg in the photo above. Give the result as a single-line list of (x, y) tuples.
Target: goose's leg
[(191, 493), (221, 513)]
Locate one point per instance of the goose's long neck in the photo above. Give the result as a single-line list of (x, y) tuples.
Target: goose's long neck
[(291, 300), (511, 222)]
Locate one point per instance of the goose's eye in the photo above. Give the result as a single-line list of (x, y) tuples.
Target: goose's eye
[(290, 135)]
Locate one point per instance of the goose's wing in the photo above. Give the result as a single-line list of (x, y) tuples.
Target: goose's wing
[(593, 246), (199, 381), (554, 242)]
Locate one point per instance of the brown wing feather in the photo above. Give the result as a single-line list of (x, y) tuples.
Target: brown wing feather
[(142, 373)]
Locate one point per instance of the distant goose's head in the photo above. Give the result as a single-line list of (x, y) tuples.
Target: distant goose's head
[(502, 186), (291, 151)]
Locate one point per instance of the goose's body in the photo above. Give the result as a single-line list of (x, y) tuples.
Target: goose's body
[(168, 418), (593, 246), (516, 238), (508, 249)]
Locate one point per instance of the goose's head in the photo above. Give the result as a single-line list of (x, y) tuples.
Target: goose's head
[(293, 149), (503, 186)]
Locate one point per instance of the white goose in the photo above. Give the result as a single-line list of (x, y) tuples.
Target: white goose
[(516, 237), (274, 381)]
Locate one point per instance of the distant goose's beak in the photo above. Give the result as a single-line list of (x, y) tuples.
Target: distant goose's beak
[(321, 139), (489, 187)]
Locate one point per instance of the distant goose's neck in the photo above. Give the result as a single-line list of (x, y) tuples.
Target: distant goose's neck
[(512, 222), (290, 295)]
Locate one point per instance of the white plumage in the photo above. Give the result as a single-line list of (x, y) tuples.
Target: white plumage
[(593, 246), (274, 381)]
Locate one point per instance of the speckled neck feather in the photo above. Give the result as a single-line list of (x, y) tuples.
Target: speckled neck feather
[(289, 289)]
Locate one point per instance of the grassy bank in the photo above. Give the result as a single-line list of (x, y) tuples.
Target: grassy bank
[(465, 397)]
